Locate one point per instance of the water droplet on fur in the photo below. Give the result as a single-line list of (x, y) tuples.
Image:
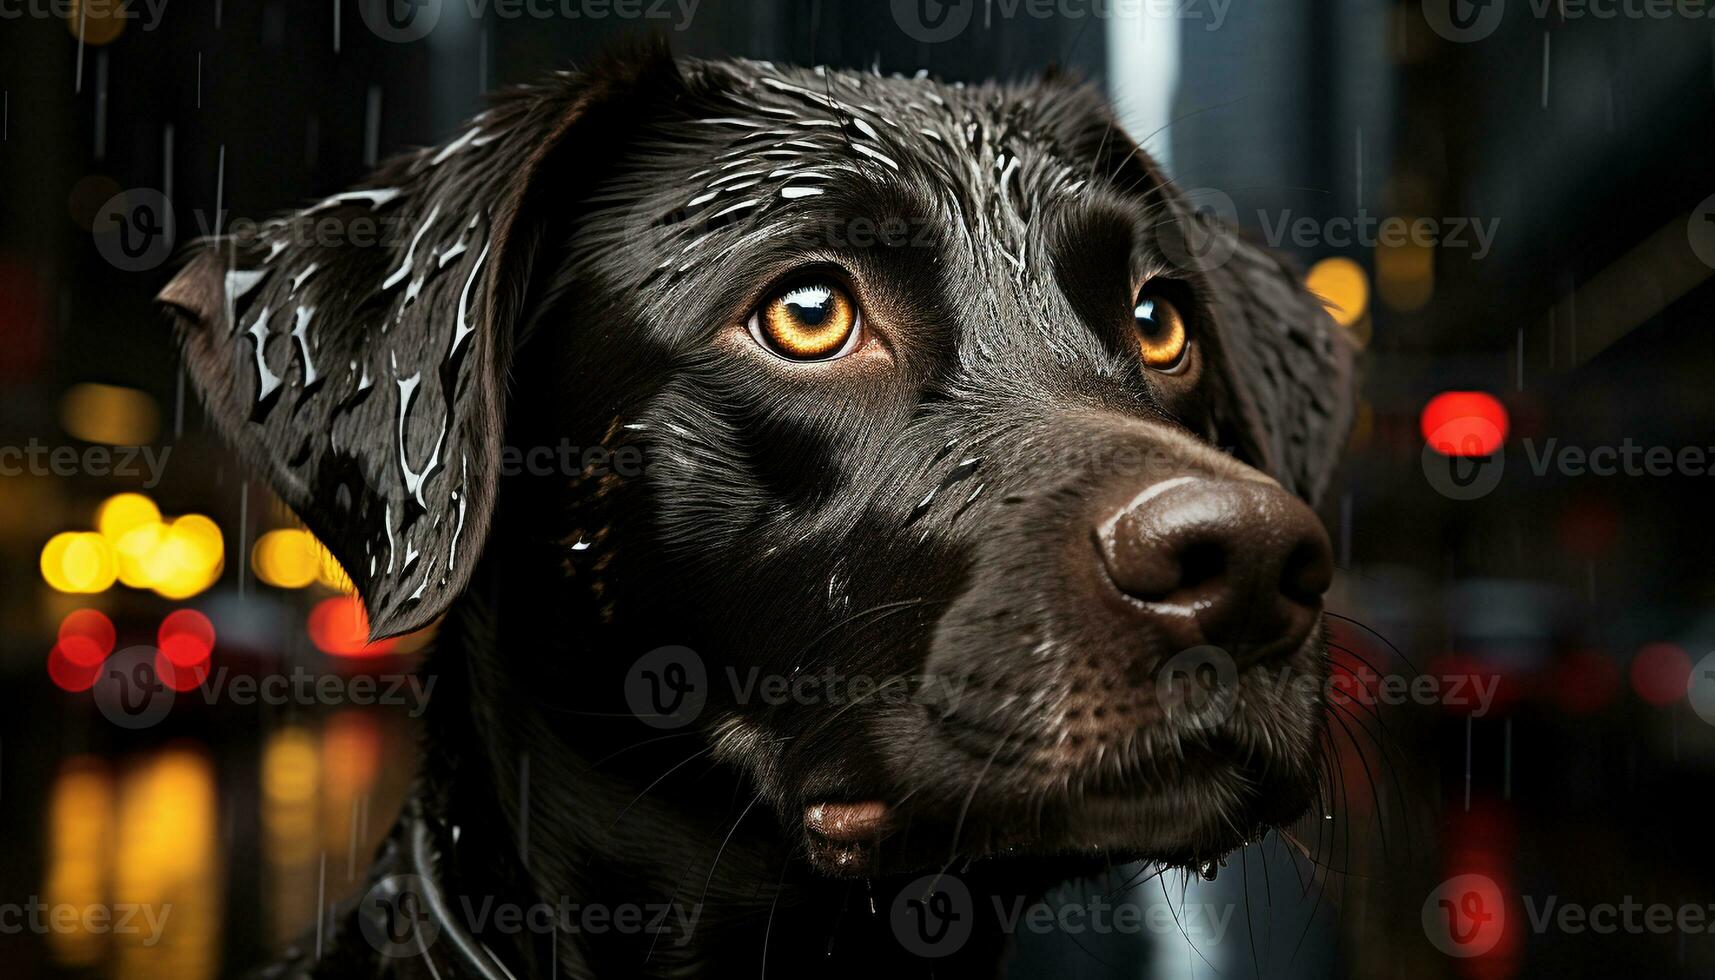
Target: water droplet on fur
[(922, 506), (1207, 870), (962, 471)]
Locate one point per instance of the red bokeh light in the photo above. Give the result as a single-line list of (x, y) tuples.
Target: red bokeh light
[(186, 638), (86, 637), (339, 626), (1480, 842), (69, 675), (180, 677), (1660, 673), (1464, 423)]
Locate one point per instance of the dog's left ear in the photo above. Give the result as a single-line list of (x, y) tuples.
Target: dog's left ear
[(1288, 368), (356, 352)]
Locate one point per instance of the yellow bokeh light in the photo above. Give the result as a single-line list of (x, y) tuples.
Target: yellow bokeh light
[(1342, 287), (80, 830), (78, 561), (123, 512), (110, 414), (287, 558), (168, 855), (190, 558), (291, 768), (134, 548), (176, 558), (97, 22)]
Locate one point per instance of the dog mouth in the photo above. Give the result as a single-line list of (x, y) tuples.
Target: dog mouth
[(1188, 807)]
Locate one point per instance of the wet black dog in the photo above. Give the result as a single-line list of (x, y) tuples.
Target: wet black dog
[(825, 479)]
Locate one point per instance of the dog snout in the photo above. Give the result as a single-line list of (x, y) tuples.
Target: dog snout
[(1237, 564)]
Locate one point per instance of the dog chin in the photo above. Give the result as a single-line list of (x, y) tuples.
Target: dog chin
[(1214, 804)]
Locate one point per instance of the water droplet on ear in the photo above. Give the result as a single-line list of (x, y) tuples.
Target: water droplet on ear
[(921, 508), (965, 468)]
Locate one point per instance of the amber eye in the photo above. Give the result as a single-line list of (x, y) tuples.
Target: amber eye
[(1161, 333), (811, 320)]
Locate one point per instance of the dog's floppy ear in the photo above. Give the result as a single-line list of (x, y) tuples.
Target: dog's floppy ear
[(356, 352), (1287, 366)]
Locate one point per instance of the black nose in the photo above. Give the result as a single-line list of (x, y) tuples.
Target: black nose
[(1237, 564)]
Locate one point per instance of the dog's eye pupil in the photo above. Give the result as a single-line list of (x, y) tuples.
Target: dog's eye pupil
[(809, 321), (1162, 337)]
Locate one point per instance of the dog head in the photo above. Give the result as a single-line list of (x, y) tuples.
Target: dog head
[(932, 402)]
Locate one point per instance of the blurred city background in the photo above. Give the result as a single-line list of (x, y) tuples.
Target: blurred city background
[(1510, 205)]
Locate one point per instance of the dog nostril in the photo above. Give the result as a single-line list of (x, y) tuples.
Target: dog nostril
[(1201, 562), (1308, 572)]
